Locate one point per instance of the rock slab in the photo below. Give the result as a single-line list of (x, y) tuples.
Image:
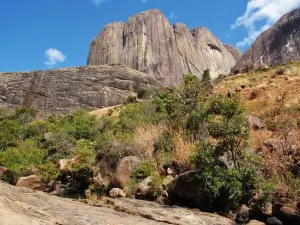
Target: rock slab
[(64, 90), (25, 207)]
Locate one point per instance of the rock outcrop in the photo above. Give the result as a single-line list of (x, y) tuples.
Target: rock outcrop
[(277, 45), (26, 207), (235, 52), (63, 90), (148, 43)]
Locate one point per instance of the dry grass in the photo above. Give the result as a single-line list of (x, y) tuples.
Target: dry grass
[(183, 149), (146, 137), (112, 111)]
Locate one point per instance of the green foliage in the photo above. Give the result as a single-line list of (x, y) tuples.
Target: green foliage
[(131, 99), (23, 158), (143, 171), (49, 172), (25, 115), (85, 154), (164, 143), (11, 131), (137, 115), (145, 93)]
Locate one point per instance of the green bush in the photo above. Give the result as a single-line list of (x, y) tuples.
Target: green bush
[(49, 172), (11, 131), (143, 171), (23, 158), (228, 127), (145, 93), (131, 99)]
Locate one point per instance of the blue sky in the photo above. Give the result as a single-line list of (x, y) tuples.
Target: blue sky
[(47, 34)]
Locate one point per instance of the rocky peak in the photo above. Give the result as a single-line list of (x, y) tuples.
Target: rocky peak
[(277, 45), (148, 43)]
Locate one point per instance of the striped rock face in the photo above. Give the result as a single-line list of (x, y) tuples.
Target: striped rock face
[(277, 45), (148, 43), (64, 90)]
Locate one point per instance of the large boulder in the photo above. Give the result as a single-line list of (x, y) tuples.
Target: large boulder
[(123, 173), (286, 214), (33, 182), (277, 45), (186, 189), (64, 90), (148, 43)]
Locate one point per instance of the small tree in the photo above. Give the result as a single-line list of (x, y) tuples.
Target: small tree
[(226, 180)]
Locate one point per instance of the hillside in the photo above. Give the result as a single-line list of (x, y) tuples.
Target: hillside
[(189, 145)]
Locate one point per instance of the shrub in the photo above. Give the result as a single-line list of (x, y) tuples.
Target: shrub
[(143, 171), (23, 158), (25, 115), (164, 143), (85, 154), (144, 93), (11, 131), (49, 172), (131, 99), (228, 131)]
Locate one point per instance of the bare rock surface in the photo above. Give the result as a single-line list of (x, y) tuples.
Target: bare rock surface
[(148, 43), (169, 215), (63, 90), (25, 207), (277, 45), (235, 52)]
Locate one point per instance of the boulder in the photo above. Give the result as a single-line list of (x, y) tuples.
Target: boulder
[(277, 45), (243, 215), (122, 175), (273, 221), (32, 182), (287, 215), (186, 190), (255, 122), (148, 43), (255, 222), (117, 193)]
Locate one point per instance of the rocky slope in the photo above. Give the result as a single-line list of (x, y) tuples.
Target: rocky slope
[(24, 206), (277, 45), (63, 90), (148, 43)]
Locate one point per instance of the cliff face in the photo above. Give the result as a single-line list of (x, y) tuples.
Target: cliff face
[(235, 52), (63, 90), (277, 45), (148, 43)]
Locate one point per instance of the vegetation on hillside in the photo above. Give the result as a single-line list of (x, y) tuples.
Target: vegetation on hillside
[(186, 127)]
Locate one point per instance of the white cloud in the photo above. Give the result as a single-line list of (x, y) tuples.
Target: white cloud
[(172, 15), (54, 56), (98, 2), (266, 12), (144, 1)]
